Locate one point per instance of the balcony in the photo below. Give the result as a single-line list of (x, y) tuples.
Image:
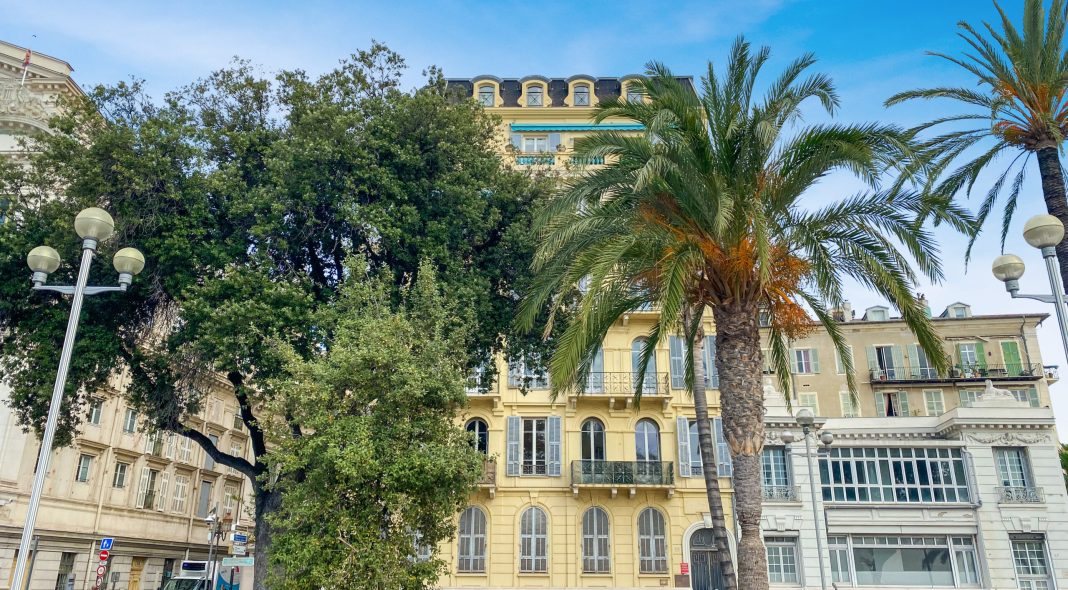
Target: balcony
[(535, 160), (1020, 495), (586, 161), (622, 386), (958, 374), (488, 481), (630, 475), (1052, 373), (781, 494)]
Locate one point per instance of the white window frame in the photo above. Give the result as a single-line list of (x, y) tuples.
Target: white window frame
[(963, 558), (775, 466), (482, 98), (129, 421), (1031, 563), (1013, 467), (520, 374), (850, 405), (948, 486), (839, 366), (121, 472), (968, 397), (535, 144), (652, 542), (534, 466), (805, 362), (586, 87), (596, 541), (973, 353), (1027, 395), (934, 402), (471, 541), (647, 436), (783, 562), (85, 468), (534, 541), (532, 91), (633, 94), (810, 400), (96, 411)]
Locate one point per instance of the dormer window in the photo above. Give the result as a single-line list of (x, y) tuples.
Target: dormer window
[(876, 314), (485, 95), (582, 95), (535, 96), (633, 94)]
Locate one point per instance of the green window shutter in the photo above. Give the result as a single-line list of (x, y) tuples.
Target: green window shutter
[(880, 404), (677, 362), (873, 358), (980, 354), (683, 427), (960, 358), (815, 356), (914, 361), (1010, 354), (794, 365), (1032, 397), (902, 403), (899, 362)]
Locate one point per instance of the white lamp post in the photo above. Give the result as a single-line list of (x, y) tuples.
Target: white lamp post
[(1043, 232), (805, 420), (93, 225)]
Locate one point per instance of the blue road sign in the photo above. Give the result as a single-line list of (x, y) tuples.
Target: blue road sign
[(106, 543), (240, 538)]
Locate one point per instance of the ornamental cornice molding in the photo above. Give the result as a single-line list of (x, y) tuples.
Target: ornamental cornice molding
[(1007, 438)]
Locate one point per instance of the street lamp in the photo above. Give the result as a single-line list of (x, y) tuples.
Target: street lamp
[(805, 420), (93, 225), (1043, 232)]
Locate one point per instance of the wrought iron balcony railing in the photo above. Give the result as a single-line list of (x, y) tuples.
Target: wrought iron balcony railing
[(586, 161), (626, 384), (781, 494), (535, 160), (623, 473), (1020, 495), (959, 372)]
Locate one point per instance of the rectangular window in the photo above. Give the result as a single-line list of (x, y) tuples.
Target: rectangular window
[(1032, 567), (239, 424), (535, 144), (1013, 469), (969, 357), (181, 491), (204, 501), (894, 475), (119, 481), (839, 364), (850, 404), (209, 463), (912, 562), (782, 559), (485, 95), (582, 95), (968, 398), (129, 421), (966, 561), (838, 550), (776, 472), (535, 96), (1028, 395), (810, 400), (806, 361), (522, 374), (85, 462), (934, 403), (920, 365), (96, 410), (886, 364), (185, 450), (230, 499), (534, 446)]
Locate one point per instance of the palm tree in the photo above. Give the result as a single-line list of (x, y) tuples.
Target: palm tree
[(705, 210), (1018, 108)]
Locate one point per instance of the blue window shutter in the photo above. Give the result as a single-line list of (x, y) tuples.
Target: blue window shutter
[(554, 140), (683, 427), (517, 141), (723, 451), (515, 427), (678, 362), (554, 446)]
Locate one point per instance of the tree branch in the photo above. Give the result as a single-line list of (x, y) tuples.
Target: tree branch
[(255, 433), (220, 457)]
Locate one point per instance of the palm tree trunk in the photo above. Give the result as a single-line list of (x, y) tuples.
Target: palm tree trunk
[(709, 463), (740, 364), (1049, 167)]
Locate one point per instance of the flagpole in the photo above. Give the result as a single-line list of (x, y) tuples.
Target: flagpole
[(25, 67)]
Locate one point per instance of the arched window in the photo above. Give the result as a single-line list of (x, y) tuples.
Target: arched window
[(480, 432), (592, 440), (485, 95), (633, 93), (596, 558), (472, 541), (582, 95), (649, 382), (647, 440), (533, 541), (535, 95), (652, 543)]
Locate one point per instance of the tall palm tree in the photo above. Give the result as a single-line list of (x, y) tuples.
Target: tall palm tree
[(706, 209), (1018, 108)]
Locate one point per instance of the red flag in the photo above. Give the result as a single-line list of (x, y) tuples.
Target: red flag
[(25, 67)]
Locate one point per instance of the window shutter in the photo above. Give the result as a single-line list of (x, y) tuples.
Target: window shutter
[(903, 403), (711, 373), (553, 426), (142, 488), (554, 140), (914, 360), (980, 355), (517, 141), (794, 365), (814, 354), (682, 425), (873, 358), (515, 426), (725, 468), (161, 494), (899, 362), (677, 362), (960, 358), (880, 404), (148, 442), (172, 442)]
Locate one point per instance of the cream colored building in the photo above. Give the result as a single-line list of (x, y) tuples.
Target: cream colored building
[(149, 493)]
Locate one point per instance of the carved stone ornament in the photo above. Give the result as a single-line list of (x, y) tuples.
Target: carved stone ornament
[(16, 99), (1008, 438)]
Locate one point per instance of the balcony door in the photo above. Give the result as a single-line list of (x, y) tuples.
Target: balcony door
[(647, 444)]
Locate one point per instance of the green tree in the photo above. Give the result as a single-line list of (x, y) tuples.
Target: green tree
[(707, 209), (378, 407), (247, 193), (1017, 108)]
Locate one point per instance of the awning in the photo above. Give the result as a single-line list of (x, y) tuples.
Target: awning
[(521, 127)]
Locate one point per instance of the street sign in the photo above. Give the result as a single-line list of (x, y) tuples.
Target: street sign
[(240, 538), (100, 569), (104, 555), (240, 550), (238, 561), (684, 568), (106, 543)]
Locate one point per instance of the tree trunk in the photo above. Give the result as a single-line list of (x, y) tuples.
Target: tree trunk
[(740, 364), (267, 501), (1049, 167), (709, 462)]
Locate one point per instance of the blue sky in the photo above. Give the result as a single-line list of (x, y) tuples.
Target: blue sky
[(870, 49)]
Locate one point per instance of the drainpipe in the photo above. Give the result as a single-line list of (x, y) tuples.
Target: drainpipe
[(1023, 337)]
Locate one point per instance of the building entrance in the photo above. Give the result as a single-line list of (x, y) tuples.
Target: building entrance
[(704, 568)]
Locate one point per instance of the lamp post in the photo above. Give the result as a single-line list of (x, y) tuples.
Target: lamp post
[(93, 225), (1043, 232), (805, 420)]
